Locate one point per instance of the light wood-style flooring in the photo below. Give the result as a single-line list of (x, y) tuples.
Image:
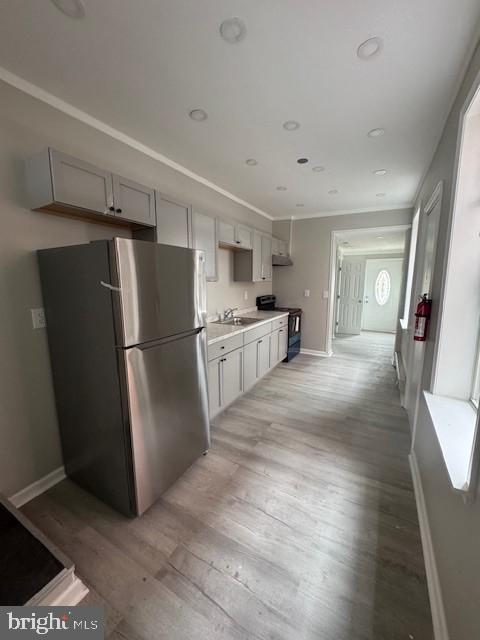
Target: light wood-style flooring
[(299, 524)]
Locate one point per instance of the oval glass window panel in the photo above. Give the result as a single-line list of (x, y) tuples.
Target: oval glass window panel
[(382, 287)]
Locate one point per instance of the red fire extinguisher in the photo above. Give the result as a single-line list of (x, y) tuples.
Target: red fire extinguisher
[(422, 316)]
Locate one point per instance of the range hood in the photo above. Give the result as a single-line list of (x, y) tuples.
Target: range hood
[(282, 261)]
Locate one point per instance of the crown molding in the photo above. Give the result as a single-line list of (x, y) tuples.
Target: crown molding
[(345, 212), (40, 94)]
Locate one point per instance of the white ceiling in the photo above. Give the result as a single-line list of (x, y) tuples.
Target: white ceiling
[(361, 241), (142, 66)]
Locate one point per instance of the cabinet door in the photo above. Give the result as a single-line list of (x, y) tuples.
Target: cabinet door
[(205, 238), (232, 376), (133, 201), (249, 365), (263, 356), (214, 388), (80, 184), (282, 248), (266, 258), (174, 221), (244, 237), (274, 355), (276, 246), (226, 232), (257, 271), (282, 343)]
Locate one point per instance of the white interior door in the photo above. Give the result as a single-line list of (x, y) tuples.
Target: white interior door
[(383, 279), (350, 295)]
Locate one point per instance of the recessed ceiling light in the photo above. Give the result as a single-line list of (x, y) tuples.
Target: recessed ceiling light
[(71, 8), (233, 30), (376, 133), (302, 160), (280, 188), (333, 192), (291, 125), (299, 204), (199, 115), (381, 195), (379, 172), (379, 237), (370, 48), (318, 169), (251, 162)]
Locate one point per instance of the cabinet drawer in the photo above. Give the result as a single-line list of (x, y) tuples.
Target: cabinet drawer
[(218, 349), (257, 332), (280, 322)]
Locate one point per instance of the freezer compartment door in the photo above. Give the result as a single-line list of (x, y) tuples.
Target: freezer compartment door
[(158, 290), (168, 411)]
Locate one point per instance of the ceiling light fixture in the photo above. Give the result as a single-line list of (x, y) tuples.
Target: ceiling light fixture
[(333, 192), (379, 172), (280, 188), (302, 160), (291, 125), (251, 162), (70, 8), (318, 169), (233, 30), (199, 115), (376, 133), (381, 195), (371, 48)]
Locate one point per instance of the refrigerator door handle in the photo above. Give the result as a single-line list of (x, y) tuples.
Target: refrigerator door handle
[(110, 286)]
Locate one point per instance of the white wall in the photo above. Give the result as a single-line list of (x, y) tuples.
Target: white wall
[(28, 425), (455, 526)]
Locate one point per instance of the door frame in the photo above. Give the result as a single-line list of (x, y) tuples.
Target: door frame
[(332, 276)]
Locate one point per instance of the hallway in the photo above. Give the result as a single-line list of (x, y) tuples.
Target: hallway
[(299, 523)]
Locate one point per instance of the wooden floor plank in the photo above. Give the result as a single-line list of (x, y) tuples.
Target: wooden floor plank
[(300, 523)]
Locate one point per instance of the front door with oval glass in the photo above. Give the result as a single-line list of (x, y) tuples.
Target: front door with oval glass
[(383, 278)]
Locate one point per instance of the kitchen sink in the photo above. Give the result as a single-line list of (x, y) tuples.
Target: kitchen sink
[(238, 322)]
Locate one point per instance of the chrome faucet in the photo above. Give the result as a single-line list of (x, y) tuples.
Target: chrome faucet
[(228, 313)]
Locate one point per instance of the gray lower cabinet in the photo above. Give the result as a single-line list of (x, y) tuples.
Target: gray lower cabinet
[(274, 352), (205, 238), (249, 365), (282, 343), (133, 201), (225, 380), (174, 221), (263, 356)]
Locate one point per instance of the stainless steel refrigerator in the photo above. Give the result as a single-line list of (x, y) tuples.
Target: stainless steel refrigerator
[(126, 331)]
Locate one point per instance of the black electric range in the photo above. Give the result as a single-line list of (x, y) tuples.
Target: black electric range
[(268, 303)]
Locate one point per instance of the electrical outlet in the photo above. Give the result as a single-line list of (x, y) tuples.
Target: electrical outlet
[(306, 293), (38, 318), (245, 295)]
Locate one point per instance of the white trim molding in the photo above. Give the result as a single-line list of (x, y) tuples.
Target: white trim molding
[(319, 354), (440, 628), (38, 487), (346, 212), (57, 103)]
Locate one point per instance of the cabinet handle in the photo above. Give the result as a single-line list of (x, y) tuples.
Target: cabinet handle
[(260, 341), (238, 241), (112, 209), (263, 278), (118, 210), (222, 347)]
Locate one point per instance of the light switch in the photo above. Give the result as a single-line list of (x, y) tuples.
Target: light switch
[(306, 293), (325, 294), (245, 295), (38, 318)]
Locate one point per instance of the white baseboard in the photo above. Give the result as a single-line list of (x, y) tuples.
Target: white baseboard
[(440, 629), (319, 354), (36, 488)]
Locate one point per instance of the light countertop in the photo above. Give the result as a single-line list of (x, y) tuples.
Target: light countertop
[(217, 332)]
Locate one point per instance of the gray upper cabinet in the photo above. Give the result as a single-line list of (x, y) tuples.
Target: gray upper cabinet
[(205, 238), (174, 222), (279, 247), (235, 235), (60, 183), (255, 265), (133, 202)]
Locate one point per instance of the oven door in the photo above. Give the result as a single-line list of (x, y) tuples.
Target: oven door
[(294, 325)]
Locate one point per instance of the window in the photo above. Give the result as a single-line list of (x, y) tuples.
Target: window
[(476, 378), (383, 286)]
